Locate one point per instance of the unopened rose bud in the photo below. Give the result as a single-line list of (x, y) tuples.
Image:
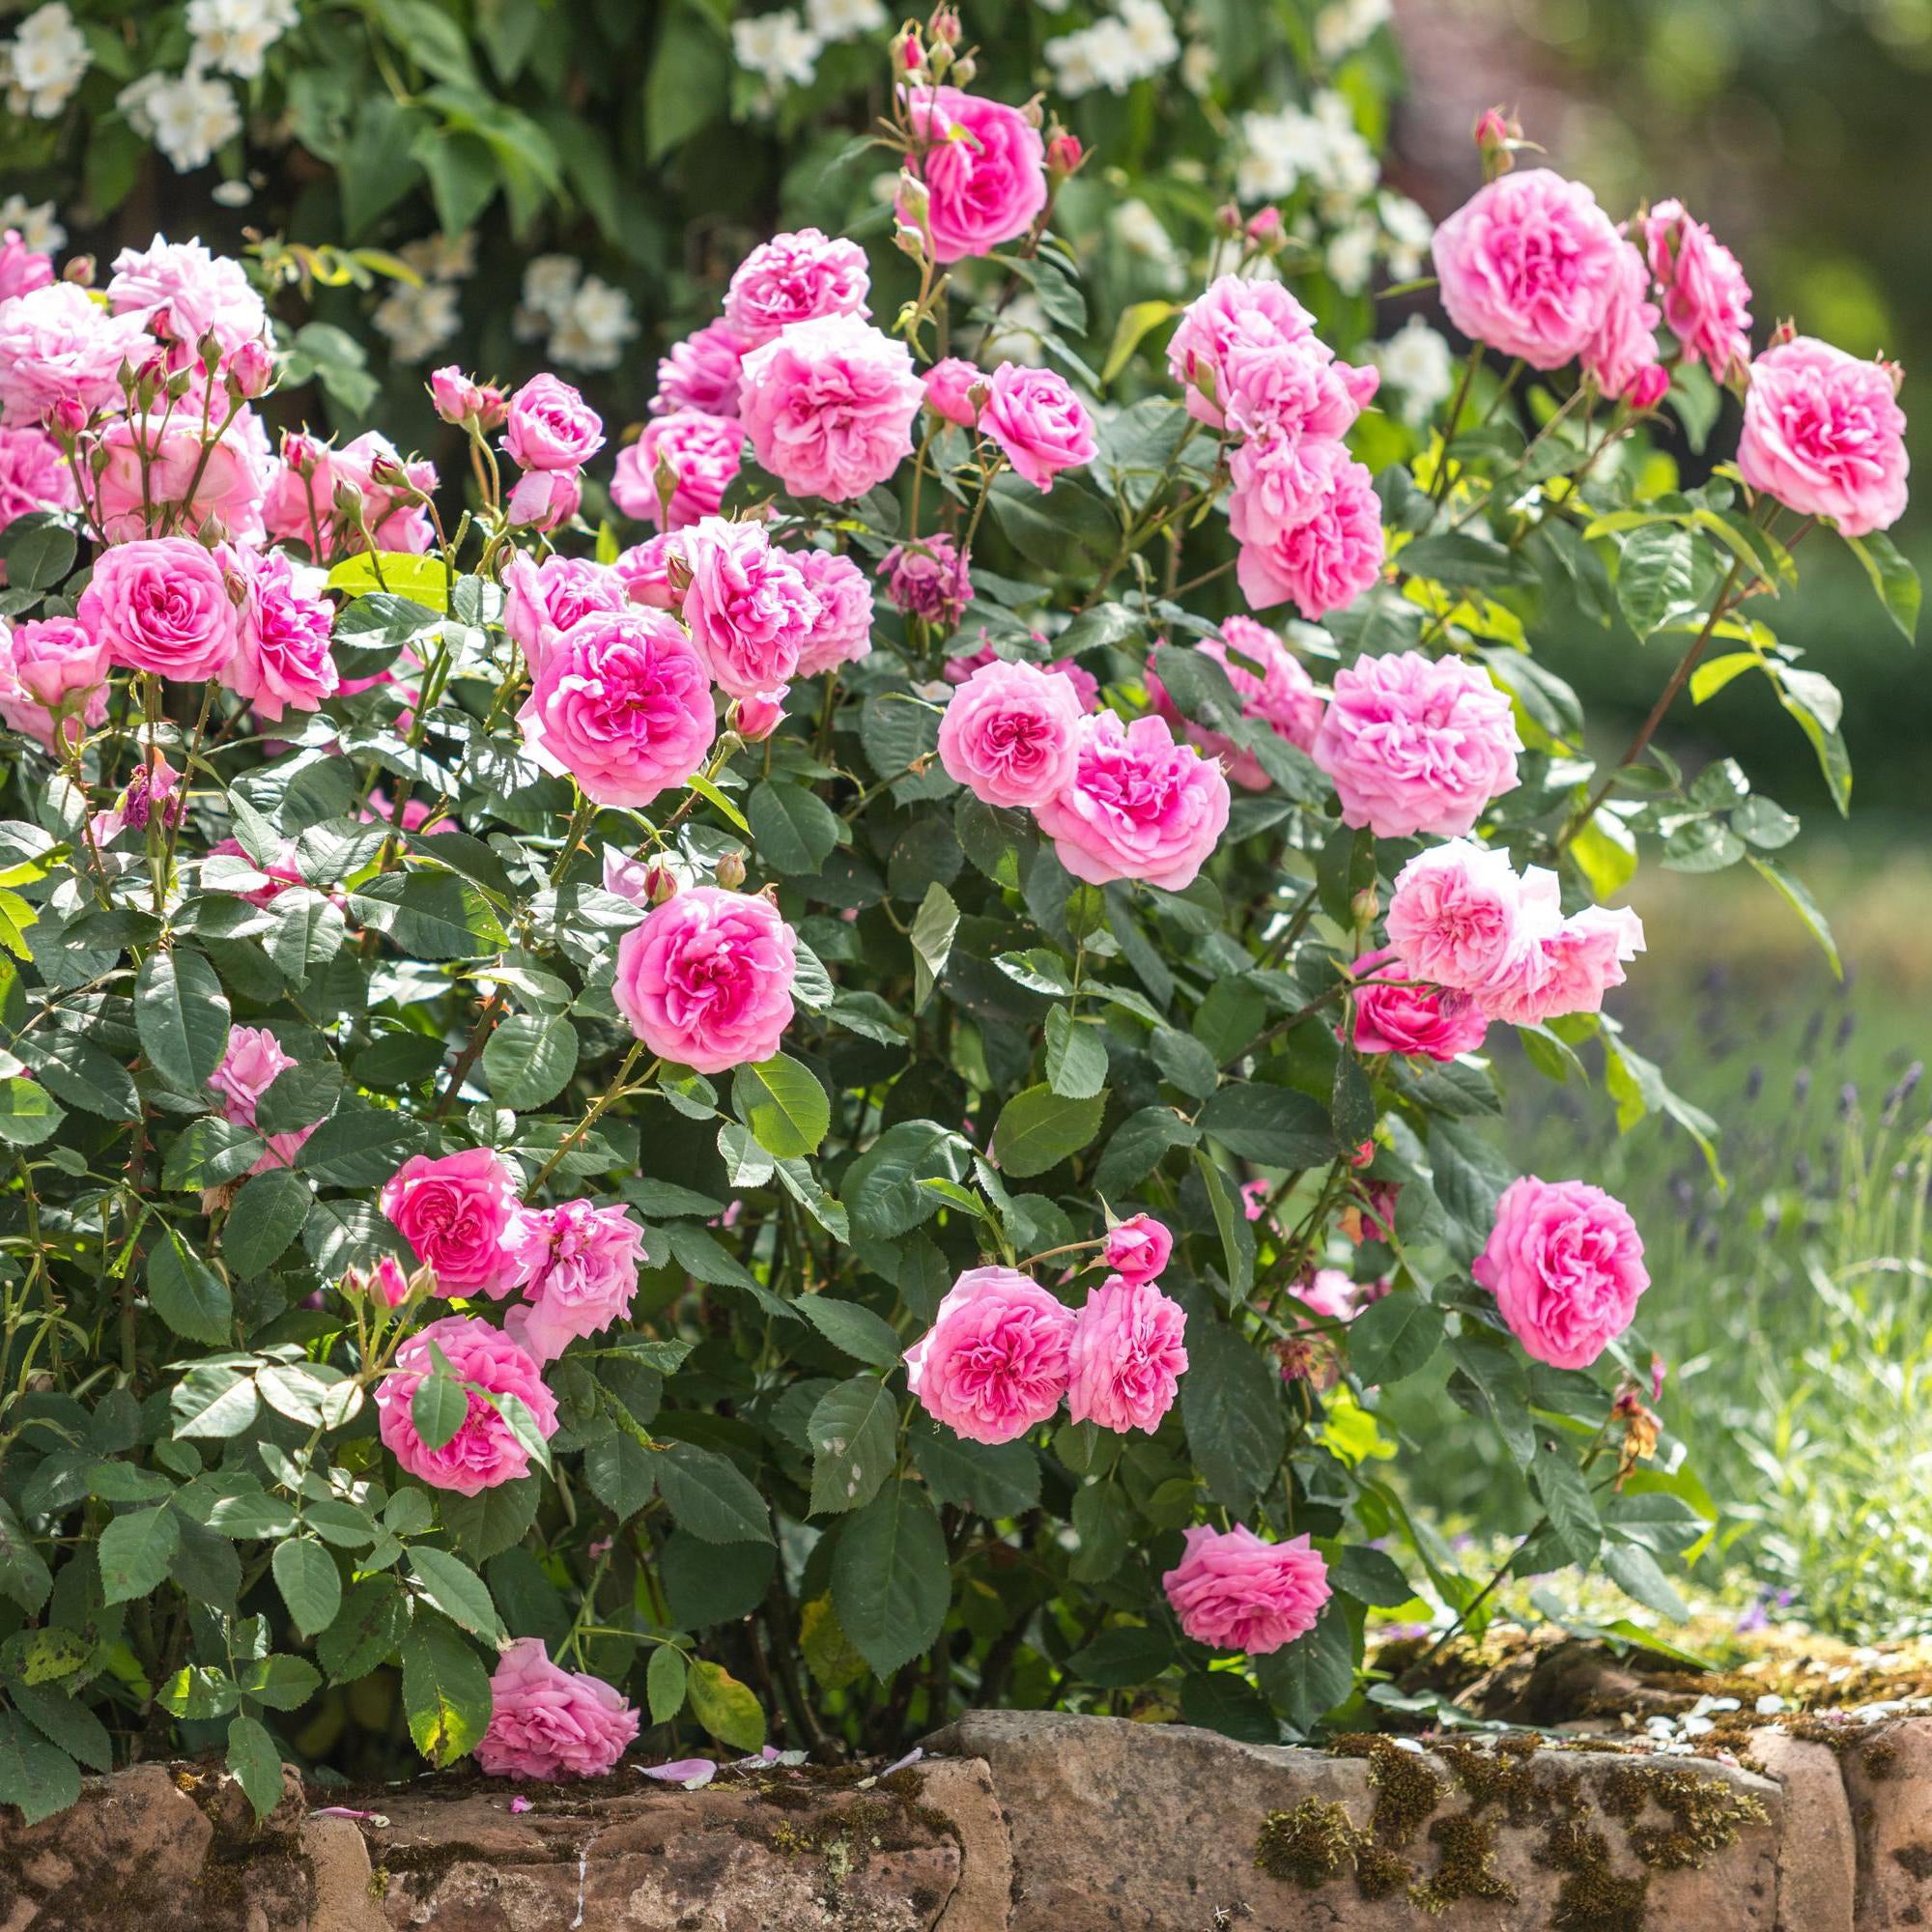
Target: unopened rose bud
[(209, 351), (944, 25), (178, 384), (301, 452), (493, 407), (544, 499), (755, 719), (251, 369), (1649, 388), (730, 871), (1228, 219), (1063, 155), (348, 503), (389, 473), (67, 418), (908, 240), (1033, 114), (1786, 331), (79, 270), (965, 68), (908, 53), (162, 323), (1266, 226), (1495, 136), (912, 198), (456, 398), (1365, 907), (1894, 373)]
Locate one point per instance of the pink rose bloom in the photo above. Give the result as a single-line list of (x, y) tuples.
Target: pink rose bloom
[(622, 704), (1567, 971), (1329, 1294), (1139, 807), (456, 1212), (548, 1722), (928, 578), (544, 600), (1127, 1356), (188, 484), (281, 657), (53, 680), (1085, 686), (841, 633), (1012, 735), (1706, 299), (1623, 346), (1229, 313), (22, 270), (1824, 435), (705, 980), (545, 499), (190, 293), (795, 277), (34, 474), (550, 426), (701, 373), (1319, 546), (645, 571), (1528, 265), (755, 719), (1565, 1264), (1415, 745), (748, 605), (578, 1266), (161, 605), (997, 1358), (1429, 1021), (828, 405), (1137, 1248), (483, 1452), (948, 386), (56, 343), (1458, 916), (1236, 1592), (251, 1064), (703, 454), (1040, 424), (1281, 695), (1293, 388), (300, 506), (984, 171)]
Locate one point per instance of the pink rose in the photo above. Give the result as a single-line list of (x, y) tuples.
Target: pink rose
[(1426, 1020), (928, 578), (550, 426), (1012, 735), (1139, 807), (301, 504), (545, 499), (645, 572), (483, 1452), (57, 344), (1329, 1294), (1317, 543), (841, 633), (547, 1723), (459, 398), (254, 1059), (748, 605), (1416, 746), (1137, 1248), (828, 405), (191, 293), (1279, 694), (22, 270), (160, 474), (1040, 424), (578, 1266), (1229, 313), (34, 474), (1127, 1356), (161, 605), (622, 704), (53, 680), (705, 980), (701, 373), (456, 1212), (1706, 299), (1567, 971), (281, 657), (949, 391), (544, 600), (1824, 435), (386, 1282), (1291, 389), (795, 277), (1236, 1592), (1565, 1264), (984, 166), (1528, 265), (997, 1358), (1622, 352), (701, 454), (1458, 916), (755, 719)]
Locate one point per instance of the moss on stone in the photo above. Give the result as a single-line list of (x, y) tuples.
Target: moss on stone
[(1307, 1846), (1467, 1867), (1594, 1896), (1382, 1874), (1706, 1816), (1503, 1775)]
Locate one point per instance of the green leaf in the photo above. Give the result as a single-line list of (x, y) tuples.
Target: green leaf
[(1394, 1337), (310, 1583), (208, 1151), (445, 1690), (489, 1523), (1657, 577), (709, 1496), (1232, 1407), (665, 1684), (784, 1105), (1119, 1658), (186, 1292), (1895, 579), (794, 829), (1307, 1678), (1039, 1128), (1370, 1576), (135, 1551), (1274, 1125), (255, 1762), (1636, 1574), (1137, 318), (993, 1480), (34, 1774), (1797, 895), (24, 1576), (529, 1060), (38, 550), (621, 1473), (367, 1630), (65, 1720), (181, 1016), (457, 1591), (933, 926), (213, 1400), (1138, 1146), (268, 1214), (1566, 1502), (1219, 1701), (854, 1435), (689, 84), (439, 1409), (1237, 1239), (723, 1706), (891, 1582), (429, 915), (1076, 1056)]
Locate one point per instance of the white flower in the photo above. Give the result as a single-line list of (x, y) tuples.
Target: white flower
[(187, 116), (844, 19), (418, 321), (1117, 50), (1278, 151), (1138, 229), (1196, 67), (34, 222), (549, 284), (1351, 256), (779, 49), (234, 34), (1408, 231), (1150, 32), (592, 332), (44, 62), (444, 258), (1346, 24), (1416, 361)]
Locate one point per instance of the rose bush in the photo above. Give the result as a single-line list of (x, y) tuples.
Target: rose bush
[(585, 1097)]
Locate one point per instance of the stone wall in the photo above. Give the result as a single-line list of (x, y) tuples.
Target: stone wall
[(1023, 1822)]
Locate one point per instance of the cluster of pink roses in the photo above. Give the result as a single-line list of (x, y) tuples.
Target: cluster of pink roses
[(1274, 688), (1003, 1351)]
